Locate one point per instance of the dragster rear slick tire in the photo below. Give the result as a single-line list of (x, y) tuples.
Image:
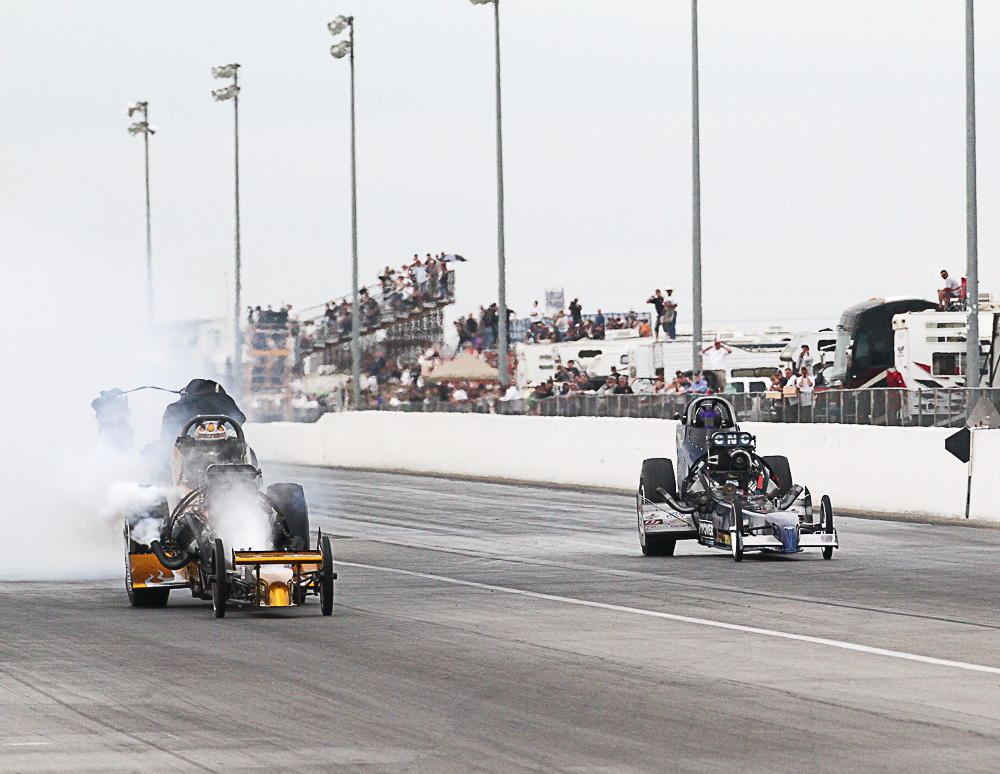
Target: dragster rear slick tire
[(291, 501), (657, 473), (826, 513), (326, 576), (220, 580), (781, 471)]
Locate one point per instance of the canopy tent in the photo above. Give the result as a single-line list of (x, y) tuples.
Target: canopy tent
[(464, 368)]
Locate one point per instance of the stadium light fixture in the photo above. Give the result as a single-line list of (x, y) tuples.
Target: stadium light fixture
[(225, 71), (339, 51), (502, 344), (143, 127), (232, 91), (338, 25)]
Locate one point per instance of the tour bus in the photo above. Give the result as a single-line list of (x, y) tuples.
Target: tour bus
[(925, 345)]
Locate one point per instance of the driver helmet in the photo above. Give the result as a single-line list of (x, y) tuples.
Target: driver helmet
[(709, 415)]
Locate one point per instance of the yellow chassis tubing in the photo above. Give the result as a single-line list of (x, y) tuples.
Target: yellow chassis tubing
[(277, 557)]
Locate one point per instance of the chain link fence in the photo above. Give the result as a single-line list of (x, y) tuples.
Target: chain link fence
[(886, 407)]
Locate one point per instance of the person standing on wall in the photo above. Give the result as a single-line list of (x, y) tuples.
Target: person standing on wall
[(714, 363), (670, 313), (657, 301)]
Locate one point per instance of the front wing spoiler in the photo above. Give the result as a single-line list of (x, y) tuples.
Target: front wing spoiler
[(806, 540)]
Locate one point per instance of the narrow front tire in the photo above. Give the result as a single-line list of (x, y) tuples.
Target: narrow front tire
[(826, 515), (220, 583)]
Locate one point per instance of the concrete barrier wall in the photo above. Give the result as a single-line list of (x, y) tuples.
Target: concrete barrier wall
[(893, 470)]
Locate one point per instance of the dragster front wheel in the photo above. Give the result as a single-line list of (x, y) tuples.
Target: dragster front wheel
[(220, 582), (826, 516), (326, 576), (736, 535)]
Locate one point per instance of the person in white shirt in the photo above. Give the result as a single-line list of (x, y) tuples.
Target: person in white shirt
[(951, 290), (714, 363), (459, 395), (420, 276), (536, 313), (805, 359), (806, 384), (512, 393)]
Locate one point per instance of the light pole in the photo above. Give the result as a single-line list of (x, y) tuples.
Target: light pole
[(695, 197), (232, 92), (142, 127), (972, 375), (339, 51), (501, 260)]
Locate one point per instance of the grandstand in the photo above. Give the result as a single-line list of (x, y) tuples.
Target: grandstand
[(398, 325)]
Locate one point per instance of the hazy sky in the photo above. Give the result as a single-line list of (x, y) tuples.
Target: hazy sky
[(833, 164)]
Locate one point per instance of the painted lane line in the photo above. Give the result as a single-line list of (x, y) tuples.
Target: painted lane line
[(897, 654)]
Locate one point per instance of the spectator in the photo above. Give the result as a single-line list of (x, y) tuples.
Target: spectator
[(786, 377), (512, 393), (698, 384), (608, 387), (715, 364), (657, 301), (572, 369), (536, 313), (805, 384), (804, 360), (670, 313), (561, 325), (459, 395), (951, 290), (493, 321), (791, 396), (623, 388), (576, 311), (544, 390), (598, 319), (659, 387), (894, 378)]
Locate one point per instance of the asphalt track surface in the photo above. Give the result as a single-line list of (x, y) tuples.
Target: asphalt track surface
[(485, 627)]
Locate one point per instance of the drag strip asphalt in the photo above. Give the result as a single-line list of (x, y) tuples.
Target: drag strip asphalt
[(488, 627)]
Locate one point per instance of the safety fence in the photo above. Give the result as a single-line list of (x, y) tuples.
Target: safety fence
[(886, 407)]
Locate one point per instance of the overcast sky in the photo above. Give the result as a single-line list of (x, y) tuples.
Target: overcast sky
[(833, 156)]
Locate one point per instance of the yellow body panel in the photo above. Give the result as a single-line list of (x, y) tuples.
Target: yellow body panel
[(148, 573)]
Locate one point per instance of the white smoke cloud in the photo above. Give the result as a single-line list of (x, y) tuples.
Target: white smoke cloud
[(241, 522)]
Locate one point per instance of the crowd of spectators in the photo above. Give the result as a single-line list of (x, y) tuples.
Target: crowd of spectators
[(391, 383), (421, 284), (573, 325), (279, 318), (481, 331)]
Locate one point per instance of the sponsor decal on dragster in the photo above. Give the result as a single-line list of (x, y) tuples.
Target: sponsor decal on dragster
[(706, 531)]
